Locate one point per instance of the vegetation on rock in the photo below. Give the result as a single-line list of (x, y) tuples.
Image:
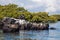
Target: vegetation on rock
[(12, 10)]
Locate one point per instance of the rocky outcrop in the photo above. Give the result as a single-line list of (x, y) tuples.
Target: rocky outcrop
[(11, 28), (34, 26), (13, 25)]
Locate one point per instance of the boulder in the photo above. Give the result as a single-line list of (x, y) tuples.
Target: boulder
[(10, 28)]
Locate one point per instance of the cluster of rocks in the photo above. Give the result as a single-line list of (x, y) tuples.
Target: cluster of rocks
[(14, 25)]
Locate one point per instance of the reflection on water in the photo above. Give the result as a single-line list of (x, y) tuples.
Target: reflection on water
[(34, 35), (25, 35)]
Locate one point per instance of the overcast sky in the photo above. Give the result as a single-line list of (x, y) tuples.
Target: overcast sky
[(51, 6)]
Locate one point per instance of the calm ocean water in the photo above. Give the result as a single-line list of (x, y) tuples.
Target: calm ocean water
[(34, 35)]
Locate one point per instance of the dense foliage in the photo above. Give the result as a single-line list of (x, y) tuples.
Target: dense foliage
[(57, 17), (12, 10)]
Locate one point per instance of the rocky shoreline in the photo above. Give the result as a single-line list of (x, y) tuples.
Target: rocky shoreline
[(14, 25)]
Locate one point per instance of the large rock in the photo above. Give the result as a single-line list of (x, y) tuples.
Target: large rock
[(34, 26), (10, 28), (14, 25)]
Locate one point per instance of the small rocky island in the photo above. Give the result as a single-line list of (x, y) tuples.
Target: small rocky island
[(14, 18), (14, 25)]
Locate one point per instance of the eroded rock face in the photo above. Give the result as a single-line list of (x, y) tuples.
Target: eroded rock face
[(40, 27), (34, 26), (15, 28), (10, 28), (29, 26), (12, 25)]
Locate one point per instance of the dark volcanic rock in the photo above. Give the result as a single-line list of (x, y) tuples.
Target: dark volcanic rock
[(10, 25), (52, 28), (10, 28)]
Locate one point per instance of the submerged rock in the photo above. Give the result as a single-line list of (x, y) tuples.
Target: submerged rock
[(52, 28)]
